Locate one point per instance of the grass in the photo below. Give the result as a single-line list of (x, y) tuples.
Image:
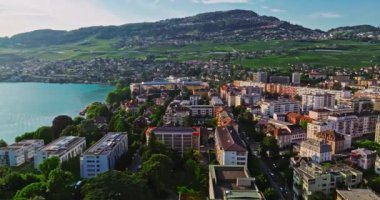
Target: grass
[(339, 53)]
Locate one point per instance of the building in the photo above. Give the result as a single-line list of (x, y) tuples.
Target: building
[(18, 153), (194, 99), (337, 141), (216, 101), (296, 78), (363, 158), (377, 165), (356, 194), (367, 122), (316, 75), (311, 177), (262, 77), (318, 151), (377, 132), (230, 150), (227, 182), (103, 155), (317, 101), (282, 106), (176, 114), (345, 124), (315, 127), (65, 148), (181, 139), (362, 105), (279, 79), (288, 135)]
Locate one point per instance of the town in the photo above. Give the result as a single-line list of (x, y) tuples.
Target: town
[(265, 137)]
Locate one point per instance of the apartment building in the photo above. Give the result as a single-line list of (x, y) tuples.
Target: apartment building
[(363, 158), (288, 135), (103, 155), (181, 139), (315, 127), (318, 151), (346, 124), (377, 132), (367, 122), (336, 140), (18, 153), (356, 194), (176, 113), (311, 177), (232, 182), (296, 78), (282, 106), (279, 79), (262, 77), (64, 148), (317, 101), (230, 150)]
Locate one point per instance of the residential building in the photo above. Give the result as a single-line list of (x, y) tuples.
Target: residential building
[(363, 158), (311, 177), (262, 77), (216, 101), (367, 122), (296, 78), (362, 105), (176, 114), (315, 127), (201, 110), (282, 106), (194, 99), (18, 153), (317, 101), (356, 194), (64, 148), (227, 182), (181, 139), (288, 135), (318, 151), (336, 140), (319, 114), (316, 75), (377, 132), (377, 165), (279, 79), (346, 124), (103, 155), (230, 149)]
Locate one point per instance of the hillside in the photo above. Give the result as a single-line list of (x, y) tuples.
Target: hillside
[(234, 25), (360, 32)]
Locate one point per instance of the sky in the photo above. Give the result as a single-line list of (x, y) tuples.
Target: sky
[(17, 16)]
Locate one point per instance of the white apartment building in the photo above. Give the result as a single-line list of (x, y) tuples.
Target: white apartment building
[(64, 148), (20, 152), (296, 78), (317, 101), (318, 126), (102, 156), (345, 124), (283, 106), (318, 151), (230, 150)]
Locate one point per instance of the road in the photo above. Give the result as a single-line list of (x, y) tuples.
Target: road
[(136, 163)]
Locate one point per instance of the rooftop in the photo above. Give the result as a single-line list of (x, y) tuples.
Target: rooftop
[(229, 139), (60, 145), (354, 194), (105, 145)]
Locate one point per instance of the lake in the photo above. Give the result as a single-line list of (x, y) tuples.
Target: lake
[(27, 106)]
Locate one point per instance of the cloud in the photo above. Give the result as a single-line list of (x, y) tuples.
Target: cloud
[(274, 10), (325, 15), (219, 1), (18, 16)]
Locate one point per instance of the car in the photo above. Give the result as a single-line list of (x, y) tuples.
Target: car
[(139, 167), (271, 173)]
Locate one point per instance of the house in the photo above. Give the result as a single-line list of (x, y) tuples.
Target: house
[(318, 151), (230, 149), (363, 158)]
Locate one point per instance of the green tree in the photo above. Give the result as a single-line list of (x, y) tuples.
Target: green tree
[(270, 194), (98, 110), (303, 124), (60, 123), (187, 121), (158, 170), (32, 190), (49, 165), (3, 143), (59, 184), (374, 184), (269, 143), (45, 133), (116, 185)]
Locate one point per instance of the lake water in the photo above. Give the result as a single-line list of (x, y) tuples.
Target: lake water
[(27, 106)]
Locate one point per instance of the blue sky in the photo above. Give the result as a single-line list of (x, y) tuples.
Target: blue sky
[(20, 16)]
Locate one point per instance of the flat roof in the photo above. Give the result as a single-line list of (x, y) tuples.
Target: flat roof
[(106, 144), (60, 145), (356, 194)]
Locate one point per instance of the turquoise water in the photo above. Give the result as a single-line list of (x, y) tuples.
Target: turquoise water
[(27, 106)]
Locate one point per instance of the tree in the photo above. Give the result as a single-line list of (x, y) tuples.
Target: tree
[(49, 165), (3, 143), (374, 184), (70, 130), (270, 194), (303, 124), (158, 170), (89, 130), (31, 191), (116, 185), (45, 133), (98, 110), (269, 143), (317, 196), (58, 184), (13, 181), (187, 121), (60, 123)]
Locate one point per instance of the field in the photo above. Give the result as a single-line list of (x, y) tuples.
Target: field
[(337, 53)]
